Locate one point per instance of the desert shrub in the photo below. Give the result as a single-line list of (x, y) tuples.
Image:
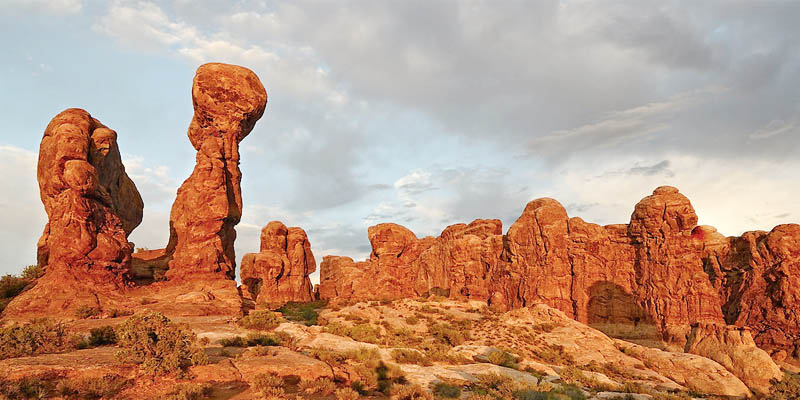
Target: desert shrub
[(260, 320), (32, 272), (411, 392), (302, 312), (446, 390), (572, 392), (204, 341), (503, 359), (441, 352), (86, 311), (324, 387), (102, 336), (92, 387), (360, 332), (189, 391), (409, 356), (268, 385), (253, 339), (10, 287), (29, 387), (412, 320), (346, 394), (553, 354), (157, 344), (40, 335), (787, 388), (446, 334)]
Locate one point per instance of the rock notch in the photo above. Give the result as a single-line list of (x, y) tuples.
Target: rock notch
[(228, 100)]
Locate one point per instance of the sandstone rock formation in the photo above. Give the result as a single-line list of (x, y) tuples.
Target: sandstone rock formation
[(649, 280), (92, 206), (279, 272), (228, 100)]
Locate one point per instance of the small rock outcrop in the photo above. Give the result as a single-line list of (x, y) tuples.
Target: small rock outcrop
[(92, 206), (279, 272), (228, 100)]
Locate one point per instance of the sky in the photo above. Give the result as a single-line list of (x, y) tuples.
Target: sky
[(423, 113)]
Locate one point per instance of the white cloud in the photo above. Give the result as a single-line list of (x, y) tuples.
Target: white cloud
[(62, 7), (143, 24), (22, 216), (778, 127)]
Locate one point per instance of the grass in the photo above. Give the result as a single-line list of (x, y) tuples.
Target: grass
[(305, 313), (260, 320)]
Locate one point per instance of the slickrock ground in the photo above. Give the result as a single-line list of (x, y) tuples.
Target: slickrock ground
[(386, 348)]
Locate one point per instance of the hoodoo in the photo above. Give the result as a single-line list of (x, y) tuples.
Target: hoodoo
[(92, 206), (228, 100)]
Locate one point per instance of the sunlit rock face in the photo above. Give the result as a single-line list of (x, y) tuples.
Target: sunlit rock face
[(278, 273), (92, 206), (228, 100)]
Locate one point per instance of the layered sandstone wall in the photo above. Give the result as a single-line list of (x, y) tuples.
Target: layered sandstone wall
[(649, 279)]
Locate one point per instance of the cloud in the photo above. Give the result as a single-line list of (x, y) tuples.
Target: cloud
[(778, 127), (57, 7), (144, 25), (22, 216)]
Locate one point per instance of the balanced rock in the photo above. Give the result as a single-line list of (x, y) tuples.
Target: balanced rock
[(279, 272), (228, 100), (92, 206)]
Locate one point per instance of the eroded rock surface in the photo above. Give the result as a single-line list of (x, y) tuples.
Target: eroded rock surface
[(92, 206), (228, 100), (279, 272)]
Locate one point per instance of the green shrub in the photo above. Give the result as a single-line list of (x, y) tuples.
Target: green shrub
[(38, 336), (302, 312), (189, 391), (86, 311), (92, 387), (409, 356), (102, 336), (157, 344), (503, 359), (260, 320), (446, 390), (360, 332), (787, 388), (446, 334), (253, 339)]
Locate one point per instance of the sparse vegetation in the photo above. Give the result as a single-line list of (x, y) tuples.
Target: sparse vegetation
[(253, 339), (787, 388), (190, 391), (360, 332), (447, 334), (305, 313), (410, 356), (40, 335), (323, 387), (92, 387), (11, 286), (86, 311), (503, 359), (269, 385), (411, 392), (346, 394), (157, 344), (446, 390), (260, 320)]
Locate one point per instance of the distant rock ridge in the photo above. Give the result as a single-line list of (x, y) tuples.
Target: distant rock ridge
[(651, 279)]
